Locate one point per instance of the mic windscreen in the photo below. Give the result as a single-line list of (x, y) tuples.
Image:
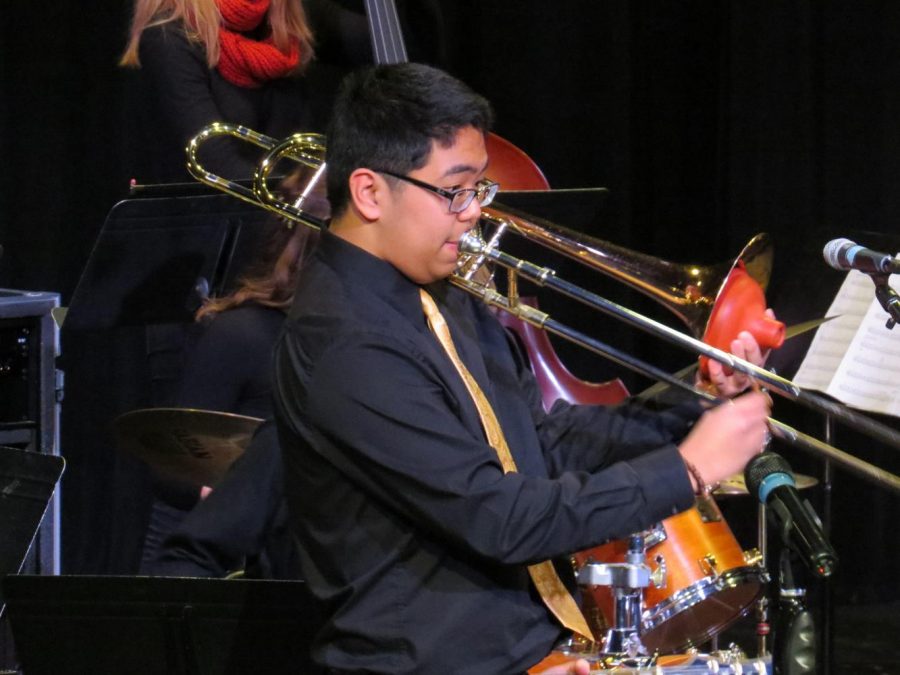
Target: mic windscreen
[(833, 249), (762, 466)]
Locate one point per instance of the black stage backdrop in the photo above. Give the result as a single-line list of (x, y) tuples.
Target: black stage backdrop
[(708, 121)]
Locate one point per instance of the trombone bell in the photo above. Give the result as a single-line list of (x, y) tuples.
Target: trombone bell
[(740, 303)]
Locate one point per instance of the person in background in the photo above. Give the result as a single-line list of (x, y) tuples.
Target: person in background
[(227, 369), (240, 528), (270, 65)]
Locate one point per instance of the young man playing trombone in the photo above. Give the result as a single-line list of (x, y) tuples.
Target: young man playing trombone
[(427, 486)]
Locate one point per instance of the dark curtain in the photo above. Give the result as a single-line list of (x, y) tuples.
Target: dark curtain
[(63, 137), (707, 121), (710, 122)]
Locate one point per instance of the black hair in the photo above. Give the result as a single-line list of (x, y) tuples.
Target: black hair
[(386, 117)]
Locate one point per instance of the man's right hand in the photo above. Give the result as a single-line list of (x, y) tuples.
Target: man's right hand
[(725, 438)]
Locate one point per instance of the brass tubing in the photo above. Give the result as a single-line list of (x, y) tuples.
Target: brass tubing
[(545, 277), (686, 290)]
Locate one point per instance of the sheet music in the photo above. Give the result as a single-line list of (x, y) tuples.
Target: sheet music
[(855, 358)]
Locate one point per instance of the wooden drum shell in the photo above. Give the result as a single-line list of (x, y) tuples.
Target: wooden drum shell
[(710, 581)]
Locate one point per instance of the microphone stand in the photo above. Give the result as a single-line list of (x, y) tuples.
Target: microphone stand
[(826, 624), (794, 644), (763, 628), (888, 298)]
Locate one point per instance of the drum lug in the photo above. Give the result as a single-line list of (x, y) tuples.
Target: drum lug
[(709, 565), (654, 536), (660, 574), (578, 565), (753, 557), (709, 512)]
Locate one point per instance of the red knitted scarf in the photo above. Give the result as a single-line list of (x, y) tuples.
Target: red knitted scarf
[(246, 62)]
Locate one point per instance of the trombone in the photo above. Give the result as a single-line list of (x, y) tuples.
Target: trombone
[(695, 294)]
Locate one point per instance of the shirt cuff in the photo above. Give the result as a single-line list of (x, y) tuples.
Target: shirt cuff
[(664, 482)]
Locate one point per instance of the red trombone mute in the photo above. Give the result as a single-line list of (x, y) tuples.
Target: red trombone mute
[(740, 306)]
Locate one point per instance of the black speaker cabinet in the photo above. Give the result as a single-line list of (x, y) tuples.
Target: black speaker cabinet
[(30, 390)]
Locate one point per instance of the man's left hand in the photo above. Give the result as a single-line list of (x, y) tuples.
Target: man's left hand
[(744, 347)]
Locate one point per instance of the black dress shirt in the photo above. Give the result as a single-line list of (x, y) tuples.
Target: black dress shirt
[(228, 365), (241, 525), (411, 534)]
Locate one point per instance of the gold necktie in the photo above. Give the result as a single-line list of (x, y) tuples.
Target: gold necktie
[(554, 594)]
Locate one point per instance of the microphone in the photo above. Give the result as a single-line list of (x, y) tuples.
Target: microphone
[(769, 476), (843, 254)]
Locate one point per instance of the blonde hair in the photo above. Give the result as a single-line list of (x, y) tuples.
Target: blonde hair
[(201, 20)]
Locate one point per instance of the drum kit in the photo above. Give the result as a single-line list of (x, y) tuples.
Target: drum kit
[(674, 587), (664, 591)]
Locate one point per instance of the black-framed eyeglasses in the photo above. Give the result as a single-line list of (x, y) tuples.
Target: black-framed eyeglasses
[(461, 198)]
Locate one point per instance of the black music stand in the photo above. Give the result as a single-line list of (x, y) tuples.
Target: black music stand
[(27, 482), (153, 252), (161, 626), (123, 340)]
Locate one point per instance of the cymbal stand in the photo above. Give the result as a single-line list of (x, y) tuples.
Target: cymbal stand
[(826, 635), (763, 627), (622, 644)]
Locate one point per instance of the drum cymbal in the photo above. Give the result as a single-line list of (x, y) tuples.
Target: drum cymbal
[(187, 445), (735, 485)]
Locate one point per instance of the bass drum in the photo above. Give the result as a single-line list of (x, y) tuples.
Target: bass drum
[(709, 581)]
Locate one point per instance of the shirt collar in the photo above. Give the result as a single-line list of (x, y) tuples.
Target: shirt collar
[(376, 276)]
